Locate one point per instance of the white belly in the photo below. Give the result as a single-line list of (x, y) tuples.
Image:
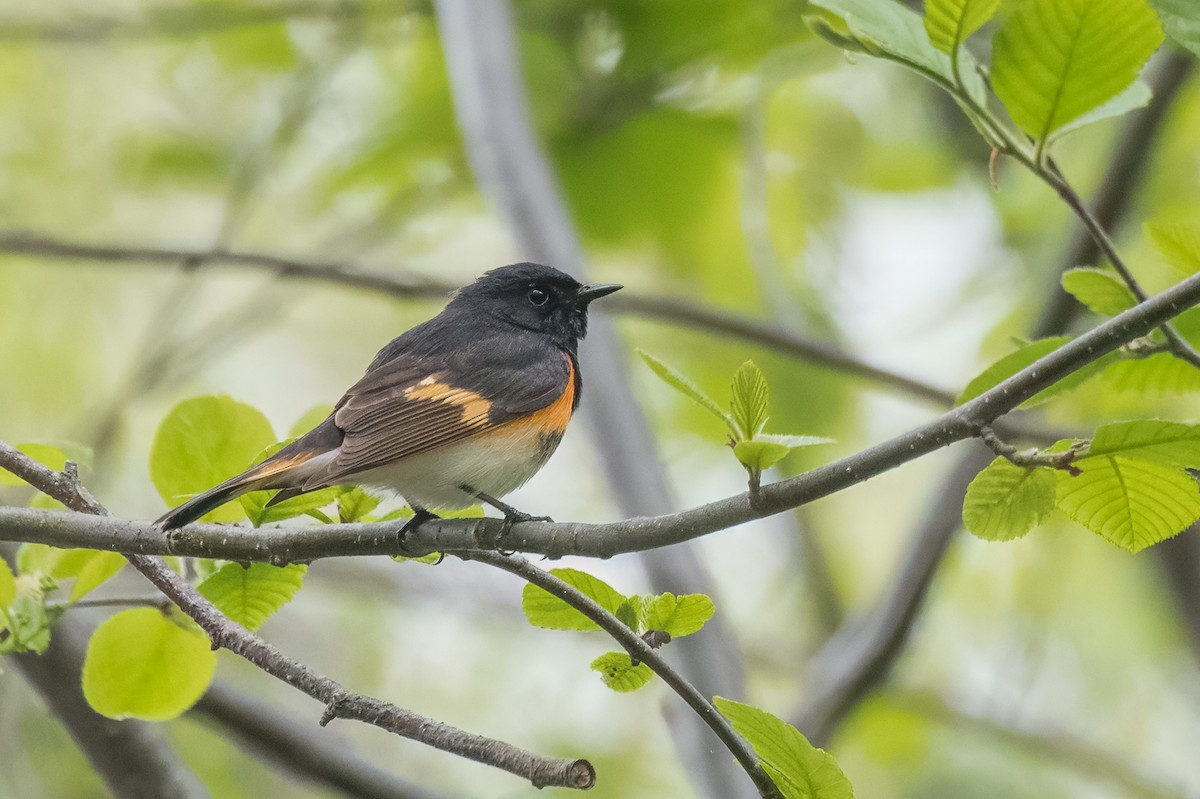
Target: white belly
[(494, 465)]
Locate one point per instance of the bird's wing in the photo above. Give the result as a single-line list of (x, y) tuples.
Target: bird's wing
[(407, 406)]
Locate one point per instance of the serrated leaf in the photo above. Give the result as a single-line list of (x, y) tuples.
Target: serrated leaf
[(683, 385), (679, 615), (1170, 443), (1181, 18), (1006, 501), (632, 613), (91, 568), (1025, 356), (8, 585), (204, 441), (356, 504), (543, 609), (1138, 95), (749, 400), (250, 596), (619, 673), (889, 30), (1161, 373), (142, 665), (1056, 60), (45, 454), (1100, 290), (792, 442), (1179, 245), (1130, 502), (949, 23), (799, 769)]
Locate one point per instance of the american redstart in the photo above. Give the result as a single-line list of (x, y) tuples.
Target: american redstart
[(461, 409)]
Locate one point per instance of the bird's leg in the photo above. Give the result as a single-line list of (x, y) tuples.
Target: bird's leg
[(511, 516), (419, 517)]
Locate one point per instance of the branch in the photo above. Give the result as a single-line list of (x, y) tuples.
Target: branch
[(492, 107), (339, 703), (299, 749), (386, 282), (641, 651), (860, 658), (295, 543)]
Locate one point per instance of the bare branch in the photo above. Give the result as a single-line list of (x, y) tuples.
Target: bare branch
[(339, 703), (642, 651), (858, 659), (295, 543), (302, 750)]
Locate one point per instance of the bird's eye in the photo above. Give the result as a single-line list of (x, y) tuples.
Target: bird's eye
[(538, 296)]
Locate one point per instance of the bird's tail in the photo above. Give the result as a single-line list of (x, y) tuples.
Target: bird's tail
[(279, 471)]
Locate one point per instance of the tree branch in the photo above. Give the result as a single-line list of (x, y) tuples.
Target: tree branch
[(339, 702), (857, 660), (640, 651), (295, 543), (299, 749)]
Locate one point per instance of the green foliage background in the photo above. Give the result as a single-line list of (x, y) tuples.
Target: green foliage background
[(714, 151)]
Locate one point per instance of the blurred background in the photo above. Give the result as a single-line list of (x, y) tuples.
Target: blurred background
[(711, 155)]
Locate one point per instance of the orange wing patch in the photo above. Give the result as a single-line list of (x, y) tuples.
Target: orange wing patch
[(475, 408)]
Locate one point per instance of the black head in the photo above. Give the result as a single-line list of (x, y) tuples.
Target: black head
[(536, 297)]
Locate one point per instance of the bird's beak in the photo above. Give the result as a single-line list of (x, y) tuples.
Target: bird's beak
[(594, 291)]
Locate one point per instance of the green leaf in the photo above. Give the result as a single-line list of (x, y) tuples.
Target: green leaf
[(29, 620), (142, 665), (356, 504), (311, 418), (257, 511), (250, 596), (1006, 501), (90, 567), (543, 609), (680, 383), (632, 613), (1179, 245), (799, 769), (37, 558), (1056, 60), (749, 399), (45, 454), (889, 30), (1169, 443), (619, 673), (758, 455), (8, 585), (679, 615), (1138, 95), (202, 442), (1100, 290), (1130, 502), (1181, 18), (1161, 373), (949, 23), (1009, 365)]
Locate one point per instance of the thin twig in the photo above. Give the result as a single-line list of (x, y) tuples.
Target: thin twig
[(641, 651), (339, 703), (1033, 457)]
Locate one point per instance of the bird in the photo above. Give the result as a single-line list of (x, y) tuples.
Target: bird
[(461, 409)]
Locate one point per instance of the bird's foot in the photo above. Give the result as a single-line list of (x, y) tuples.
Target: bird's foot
[(419, 517)]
